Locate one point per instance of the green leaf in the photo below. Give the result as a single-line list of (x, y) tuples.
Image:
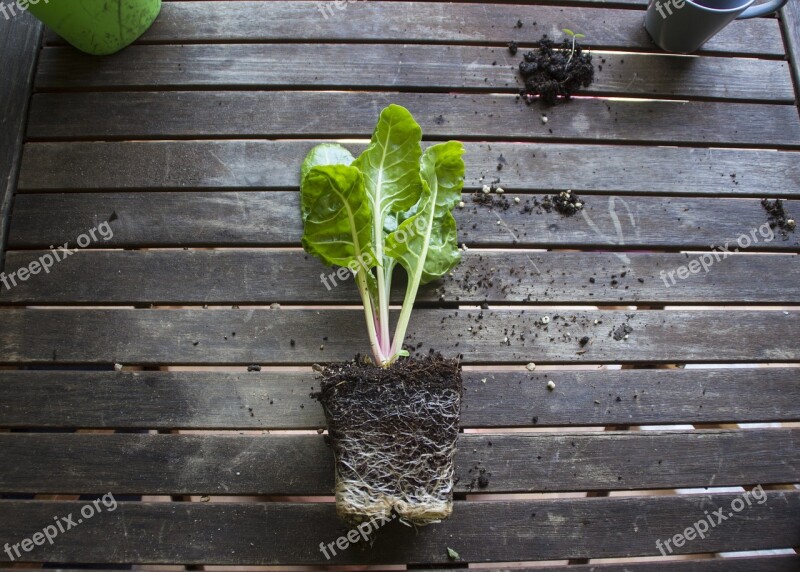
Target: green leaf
[(452, 554), (426, 244), (338, 225), (568, 32), (580, 36), (390, 165), (324, 154)]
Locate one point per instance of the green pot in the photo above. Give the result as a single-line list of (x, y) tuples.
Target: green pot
[(98, 27)]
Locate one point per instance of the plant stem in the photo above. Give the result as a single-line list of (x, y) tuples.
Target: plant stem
[(411, 293), (366, 300), (572, 53)]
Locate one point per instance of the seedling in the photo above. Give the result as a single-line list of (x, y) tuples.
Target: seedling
[(391, 206), (393, 425), (574, 37)]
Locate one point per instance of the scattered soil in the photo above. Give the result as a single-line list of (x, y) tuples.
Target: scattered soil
[(393, 432), (778, 218), (565, 203), (554, 73)]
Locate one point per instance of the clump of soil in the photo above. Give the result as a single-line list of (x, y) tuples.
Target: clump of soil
[(622, 332), (566, 203), (393, 433), (778, 218), (554, 73)]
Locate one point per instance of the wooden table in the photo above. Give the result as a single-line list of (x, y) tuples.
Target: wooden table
[(189, 144)]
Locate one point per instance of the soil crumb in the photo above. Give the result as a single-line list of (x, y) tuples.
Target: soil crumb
[(778, 218), (554, 73)]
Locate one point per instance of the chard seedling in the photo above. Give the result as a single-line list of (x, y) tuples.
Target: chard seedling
[(574, 37), (390, 206)]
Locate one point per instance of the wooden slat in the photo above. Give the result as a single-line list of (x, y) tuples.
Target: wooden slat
[(782, 563), (264, 219), (497, 277), (735, 564), (402, 67), (281, 400), (274, 114), (728, 564), (280, 533), (436, 22), (177, 337), (262, 165), (790, 20), (303, 464), (19, 42)]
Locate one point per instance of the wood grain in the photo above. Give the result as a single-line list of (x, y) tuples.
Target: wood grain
[(495, 277), (271, 219), (163, 337), (267, 165), (19, 43), (281, 399), (432, 22), (281, 533), (274, 114), (402, 67), (734, 564), (303, 464)]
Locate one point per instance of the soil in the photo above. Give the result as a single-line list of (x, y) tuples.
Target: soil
[(778, 218), (393, 432), (565, 203), (553, 73)]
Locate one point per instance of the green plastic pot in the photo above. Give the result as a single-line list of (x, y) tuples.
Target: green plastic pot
[(98, 27)]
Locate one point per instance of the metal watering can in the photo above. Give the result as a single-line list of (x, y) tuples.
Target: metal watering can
[(683, 26)]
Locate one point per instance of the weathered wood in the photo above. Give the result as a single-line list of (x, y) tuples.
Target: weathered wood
[(729, 564), (402, 67), (274, 114), (271, 218), (790, 20), (281, 400), (303, 464), (496, 277), (783, 563), (431, 22), (150, 337), (19, 42), (267, 165), (281, 533)]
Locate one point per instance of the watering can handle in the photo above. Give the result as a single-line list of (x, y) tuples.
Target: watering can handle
[(762, 9)]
